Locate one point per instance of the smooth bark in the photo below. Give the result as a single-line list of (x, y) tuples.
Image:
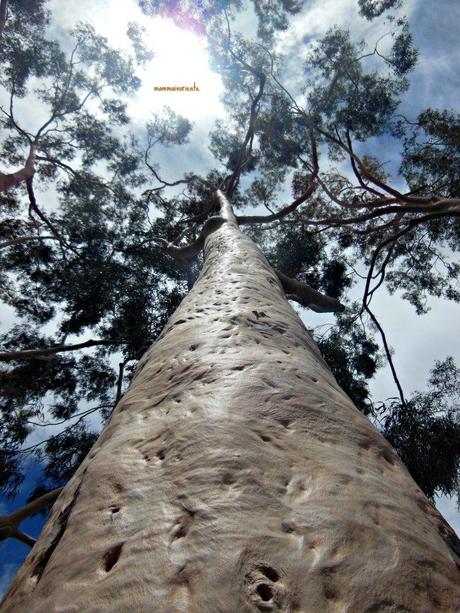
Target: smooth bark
[(236, 476), (9, 524), (8, 181), (31, 354), (309, 297)]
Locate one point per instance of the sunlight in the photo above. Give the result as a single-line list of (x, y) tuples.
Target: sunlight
[(180, 57), (180, 60)]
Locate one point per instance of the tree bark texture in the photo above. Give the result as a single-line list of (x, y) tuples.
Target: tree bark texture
[(236, 476)]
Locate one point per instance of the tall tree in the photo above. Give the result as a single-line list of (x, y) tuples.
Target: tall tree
[(235, 475), (234, 369)]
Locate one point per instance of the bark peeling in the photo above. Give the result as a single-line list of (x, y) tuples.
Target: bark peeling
[(236, 476)]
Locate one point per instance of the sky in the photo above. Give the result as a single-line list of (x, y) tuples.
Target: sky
[(181, 58)]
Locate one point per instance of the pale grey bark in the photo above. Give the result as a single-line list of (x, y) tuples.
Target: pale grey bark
[(9, 524), (236, 476), (8, 181), (309, 297), (32, 354)]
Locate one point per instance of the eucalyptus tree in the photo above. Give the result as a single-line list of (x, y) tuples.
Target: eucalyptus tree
[(235, 474)]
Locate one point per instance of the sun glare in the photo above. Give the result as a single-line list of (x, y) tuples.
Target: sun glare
[(180, 61), (180, 57)]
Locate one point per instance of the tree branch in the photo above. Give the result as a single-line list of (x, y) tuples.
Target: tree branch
[(19, 240), (46, 221), (309, 297), (231, 182), (30, 354), (8, 181), (191, 250), (9, 523), (388, 354), (311, 186)]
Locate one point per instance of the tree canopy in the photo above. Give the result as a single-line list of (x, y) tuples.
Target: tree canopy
[(98, 249)]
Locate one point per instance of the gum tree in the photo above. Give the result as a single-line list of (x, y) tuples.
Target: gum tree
[(235, 474)]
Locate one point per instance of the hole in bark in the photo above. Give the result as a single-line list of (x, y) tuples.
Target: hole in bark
[(181, 321), (314, 379), (270, 573), (387, 457), (330, 592), (193, 347), (160, 454), (63, 518), (289, 528), (114, 509), (266, 439), (180, 532), (265, 592), (112, 556)]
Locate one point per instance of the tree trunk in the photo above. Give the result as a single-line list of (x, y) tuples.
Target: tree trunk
[(7, 181), (236, 476)]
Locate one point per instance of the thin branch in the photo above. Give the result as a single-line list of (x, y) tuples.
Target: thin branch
[(62, 421), (355, 169), (30, 354), (311, 186), (34, 207), (391, 239), (56, 162), (24, 538), (19, 240), (200, 217), (231, 182), (388, 354), (55, 436)]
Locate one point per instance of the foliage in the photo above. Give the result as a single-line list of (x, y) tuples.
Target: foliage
[(426, 431), (431, 152), (374, 8), (97, 271), (93, 265)]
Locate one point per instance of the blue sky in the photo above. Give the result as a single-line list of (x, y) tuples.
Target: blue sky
[(417, 341)]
